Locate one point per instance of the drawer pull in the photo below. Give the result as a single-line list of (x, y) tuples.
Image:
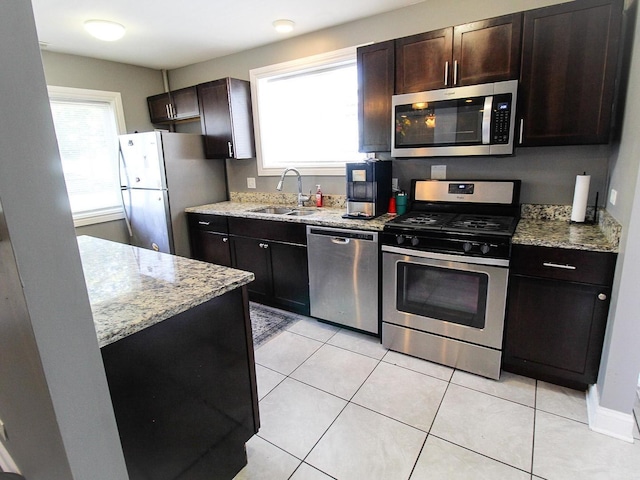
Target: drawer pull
[(225, 239), (200, 222), (602, 296), (557, 265)]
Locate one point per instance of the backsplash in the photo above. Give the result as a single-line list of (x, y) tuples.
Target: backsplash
[(333, 201), (609, 225)]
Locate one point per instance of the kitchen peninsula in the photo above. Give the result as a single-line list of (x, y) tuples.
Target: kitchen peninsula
[(176, 343)]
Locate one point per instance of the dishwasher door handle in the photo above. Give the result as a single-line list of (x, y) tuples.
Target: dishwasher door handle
[(340, 240)]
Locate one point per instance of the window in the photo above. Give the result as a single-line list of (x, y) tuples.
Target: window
[(306, 114), (87, 124)]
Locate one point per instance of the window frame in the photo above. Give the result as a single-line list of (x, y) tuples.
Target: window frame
[(336, 57), (114, 99)]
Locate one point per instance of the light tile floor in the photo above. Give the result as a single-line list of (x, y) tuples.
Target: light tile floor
[(336, 404)]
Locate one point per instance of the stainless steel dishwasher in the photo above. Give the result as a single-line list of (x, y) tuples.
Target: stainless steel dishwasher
[(343, 276)]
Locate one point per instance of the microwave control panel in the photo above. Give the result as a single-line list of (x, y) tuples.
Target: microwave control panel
[(501, 118)]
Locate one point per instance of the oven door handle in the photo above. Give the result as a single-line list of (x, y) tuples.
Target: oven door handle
[(496, 262)]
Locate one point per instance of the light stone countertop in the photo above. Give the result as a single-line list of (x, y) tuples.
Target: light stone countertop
[(541, 225), (562, 234), (131, 288), (324, 216)]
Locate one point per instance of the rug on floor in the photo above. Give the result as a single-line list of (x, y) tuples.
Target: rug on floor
[(268, 321)]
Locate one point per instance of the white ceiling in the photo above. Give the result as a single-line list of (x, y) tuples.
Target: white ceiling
[(165, 34)]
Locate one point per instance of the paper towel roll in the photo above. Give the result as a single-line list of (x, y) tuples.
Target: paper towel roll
[(580, 197)]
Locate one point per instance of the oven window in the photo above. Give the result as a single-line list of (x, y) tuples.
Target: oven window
[(455, 296)]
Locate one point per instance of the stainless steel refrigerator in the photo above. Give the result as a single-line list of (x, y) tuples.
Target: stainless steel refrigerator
[(162, 173)]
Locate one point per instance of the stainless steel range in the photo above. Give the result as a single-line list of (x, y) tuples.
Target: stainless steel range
[(445, 266)]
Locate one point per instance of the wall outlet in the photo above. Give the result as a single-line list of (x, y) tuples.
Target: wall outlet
[(438, 172), (251, 182), (394, 184), (613, 196)]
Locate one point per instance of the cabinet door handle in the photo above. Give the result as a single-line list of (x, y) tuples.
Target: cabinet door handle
[(557, 265), (521, 130), (455, 73), (446, 73), (264, 245), (602, 296), (230, 149), (201, 222), (172, 110), (166, 108)]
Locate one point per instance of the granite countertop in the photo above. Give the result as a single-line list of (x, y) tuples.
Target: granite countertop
[(550, 226), (562, 234), (131, 288), (324, 216), (541, 225)]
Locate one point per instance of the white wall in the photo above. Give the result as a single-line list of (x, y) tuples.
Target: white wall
[(54, 399), (548, 174), (621, 357), (134, 83)]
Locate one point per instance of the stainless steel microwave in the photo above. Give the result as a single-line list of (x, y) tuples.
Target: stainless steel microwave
[(472, 120)]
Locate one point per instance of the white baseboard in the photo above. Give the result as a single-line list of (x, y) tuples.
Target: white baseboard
[(6, 462), (606, 421)]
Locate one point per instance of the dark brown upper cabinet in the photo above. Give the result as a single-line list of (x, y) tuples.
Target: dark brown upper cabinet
[(375, 87), (423, 61), (477, 52), (174, 106), (569, 65), (487, 51), (226, 118)]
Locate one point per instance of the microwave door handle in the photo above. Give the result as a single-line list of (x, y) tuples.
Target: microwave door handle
[(486, 120)]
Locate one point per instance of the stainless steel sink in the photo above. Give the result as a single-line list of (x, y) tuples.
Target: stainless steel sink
[(298, 213), (275, 210), (285, 211)]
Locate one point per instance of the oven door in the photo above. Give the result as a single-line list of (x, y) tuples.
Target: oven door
[(454, 296)]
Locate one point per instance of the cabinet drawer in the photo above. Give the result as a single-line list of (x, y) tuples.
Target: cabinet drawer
[(210, 223), (563, 264), (269, 230)]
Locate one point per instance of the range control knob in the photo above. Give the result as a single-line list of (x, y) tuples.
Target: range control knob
[(484, 248), (466, 246), (400, 239), (415, 241)]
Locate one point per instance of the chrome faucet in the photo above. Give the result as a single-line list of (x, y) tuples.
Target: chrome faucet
[(301, 198)]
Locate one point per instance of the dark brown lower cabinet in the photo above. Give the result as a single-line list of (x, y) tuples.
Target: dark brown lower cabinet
[(184, 392), (209, 239), (276, 253), (557, 313), (281, 271)]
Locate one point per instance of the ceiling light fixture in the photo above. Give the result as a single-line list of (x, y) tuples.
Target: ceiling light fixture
[(283, 26), (105, 30)]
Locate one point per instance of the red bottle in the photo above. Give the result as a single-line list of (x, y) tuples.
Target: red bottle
[(318, 196), (392, 204)]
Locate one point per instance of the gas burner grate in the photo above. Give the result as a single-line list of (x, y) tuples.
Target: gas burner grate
[(484, 223)]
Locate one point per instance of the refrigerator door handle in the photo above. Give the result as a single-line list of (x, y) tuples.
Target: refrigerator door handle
[(123, 166)]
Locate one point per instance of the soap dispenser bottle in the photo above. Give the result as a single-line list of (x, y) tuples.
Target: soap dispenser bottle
[(318, 196)]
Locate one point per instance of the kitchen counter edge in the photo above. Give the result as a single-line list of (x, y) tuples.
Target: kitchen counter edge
[(323, 216), (132, 288)]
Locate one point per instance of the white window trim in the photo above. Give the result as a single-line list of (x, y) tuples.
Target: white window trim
[(343, 55), (115, 100)]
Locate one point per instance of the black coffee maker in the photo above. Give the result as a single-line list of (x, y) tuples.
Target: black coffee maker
[(368, 188)]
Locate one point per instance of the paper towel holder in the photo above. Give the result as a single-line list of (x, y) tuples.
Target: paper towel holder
[(594, 217)]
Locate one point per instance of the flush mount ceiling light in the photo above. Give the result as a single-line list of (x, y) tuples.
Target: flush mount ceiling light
[(283, 26), (104, 30)]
